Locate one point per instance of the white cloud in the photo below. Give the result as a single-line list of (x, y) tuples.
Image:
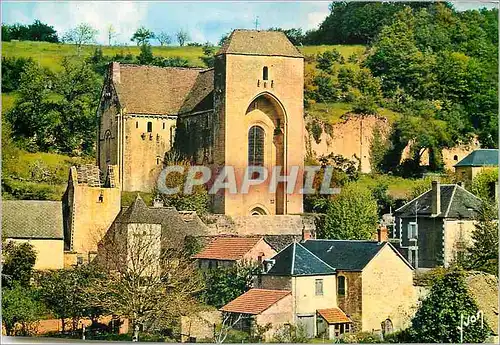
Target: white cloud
[(315, 18), (125, 17)]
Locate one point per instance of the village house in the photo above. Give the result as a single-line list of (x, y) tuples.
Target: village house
[(435, 228), (225, 251), (331, 287), (474, 163), (39, 223)]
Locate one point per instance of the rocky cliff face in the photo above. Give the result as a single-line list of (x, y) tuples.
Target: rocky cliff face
[(352, 138)]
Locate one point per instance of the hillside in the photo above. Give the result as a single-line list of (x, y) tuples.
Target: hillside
[(51, 54)]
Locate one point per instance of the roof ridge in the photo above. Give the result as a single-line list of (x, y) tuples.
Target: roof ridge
[(414, 199), (333, 268), (164, 67), (332, 240), (451, 201), (293, 258)]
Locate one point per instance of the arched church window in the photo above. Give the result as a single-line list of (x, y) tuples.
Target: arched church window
[(455, 158), (265, 73), (150, 127), (256, 146)]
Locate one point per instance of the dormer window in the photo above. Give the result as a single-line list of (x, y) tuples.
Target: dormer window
[(265, 73)]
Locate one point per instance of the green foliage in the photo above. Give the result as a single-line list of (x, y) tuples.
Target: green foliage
[(290, 334), (378, 149), (18, 263), (142, 36), (197, 200), (296, 36), (483, 184), (12, 68), (438, 318), (146, 55), (20, 310), (315, 128), (56, 112), (208, 54), (64, 292), (327, 59), (429, 54), (483, 254), (356, 22), (223, 284), (384, 200), (351, 215), (37, 31)]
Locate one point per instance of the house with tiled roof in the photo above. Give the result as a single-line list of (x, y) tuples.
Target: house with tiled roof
[(435, 228), (476, 162), (245, 111), (224, 251), (39, 223), (336, 287)]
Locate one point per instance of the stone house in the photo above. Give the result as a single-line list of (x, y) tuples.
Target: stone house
[(39, 223), (225, 251), (435, 228), (246, 111), (163, 228), (339, 286), (474, 163)]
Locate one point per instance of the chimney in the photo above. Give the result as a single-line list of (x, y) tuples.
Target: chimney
[(382, 234), (115, 72), (436, 198)]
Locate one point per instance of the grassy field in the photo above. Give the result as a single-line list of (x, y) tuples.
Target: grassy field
[(332, 112), (51, 54)]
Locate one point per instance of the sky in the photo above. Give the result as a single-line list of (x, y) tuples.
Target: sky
[(204, 20)]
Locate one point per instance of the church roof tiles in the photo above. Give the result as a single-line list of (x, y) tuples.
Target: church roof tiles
[(256, 42)]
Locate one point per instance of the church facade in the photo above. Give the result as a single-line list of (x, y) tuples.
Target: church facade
[(246, 111)]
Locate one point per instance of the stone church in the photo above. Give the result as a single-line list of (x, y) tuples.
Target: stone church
[(247, 110)]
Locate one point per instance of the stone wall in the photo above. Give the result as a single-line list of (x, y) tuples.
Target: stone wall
[(200, 326), (259, 225), (88, 213), (352, 302), (388, 291)]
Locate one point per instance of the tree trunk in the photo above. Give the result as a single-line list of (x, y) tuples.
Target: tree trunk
[(63, 324)]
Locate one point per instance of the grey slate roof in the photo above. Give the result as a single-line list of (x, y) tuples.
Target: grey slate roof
[(32, 219), (456, 202), (174, 224), (343, 254), (480, 158), (296, 260)]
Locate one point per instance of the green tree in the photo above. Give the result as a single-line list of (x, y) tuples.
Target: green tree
[(20, 308), (78, 87), (208, 54), (18, 262), (438, 318), (350, 215), (483, 254), (378, 149), (146, 56), (65, 293), (223, 284), (12, 68), (142, 36), (33, 118), (182, 37), (82, 34), (483, 185)]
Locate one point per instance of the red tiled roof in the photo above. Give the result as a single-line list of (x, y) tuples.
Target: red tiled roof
[(228, 248), (334, 315), (255, 301)]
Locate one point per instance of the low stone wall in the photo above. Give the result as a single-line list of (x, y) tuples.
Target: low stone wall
[(200, 326)]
